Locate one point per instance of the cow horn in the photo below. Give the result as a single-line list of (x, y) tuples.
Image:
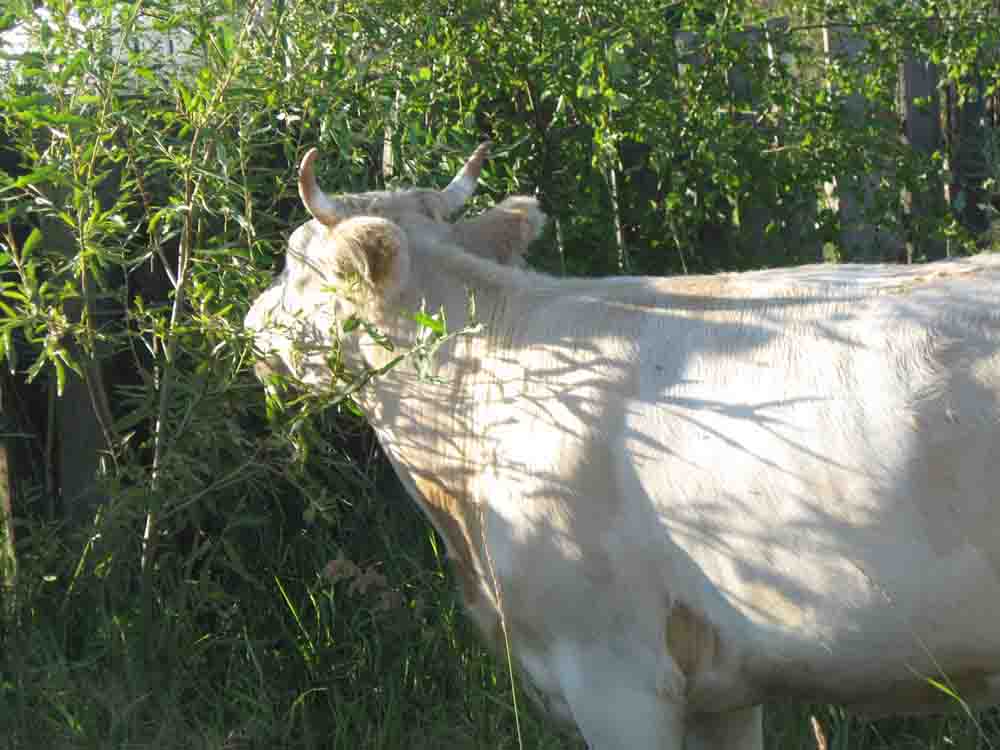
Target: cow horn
[(316, 201), (463, 186)]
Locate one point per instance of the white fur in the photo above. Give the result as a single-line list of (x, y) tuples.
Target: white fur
[(700, 493)]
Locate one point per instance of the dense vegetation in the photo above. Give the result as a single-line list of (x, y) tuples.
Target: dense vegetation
[(187, 563)]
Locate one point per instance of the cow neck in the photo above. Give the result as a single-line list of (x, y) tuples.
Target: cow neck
[(447, 278), (432, 430)]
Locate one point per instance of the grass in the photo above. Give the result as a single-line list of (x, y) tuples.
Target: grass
[(300, 620), (268, 651)]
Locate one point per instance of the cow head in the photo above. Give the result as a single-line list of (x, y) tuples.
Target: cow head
[(353, 260)]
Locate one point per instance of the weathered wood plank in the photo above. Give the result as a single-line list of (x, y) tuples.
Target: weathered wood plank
[(921, 111), (969, 167), (859, 239)]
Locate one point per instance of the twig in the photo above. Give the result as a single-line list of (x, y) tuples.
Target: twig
[(8, 555), (818, 733)]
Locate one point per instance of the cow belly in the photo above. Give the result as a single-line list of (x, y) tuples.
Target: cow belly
[(886, 653), (830, 592)]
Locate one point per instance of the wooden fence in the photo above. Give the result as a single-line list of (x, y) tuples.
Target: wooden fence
[(963, 137)]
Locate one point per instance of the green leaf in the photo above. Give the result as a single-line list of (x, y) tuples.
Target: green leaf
[(352, 408), (430, 321), (65, 118), (235, 561), (31, 243), (36, 366), (392, 363), (22, 103), (60, 377), (42, 174), (378, 337), (9, 350), (63, 355)]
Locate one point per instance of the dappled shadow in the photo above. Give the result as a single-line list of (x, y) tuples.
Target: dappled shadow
[(797, 469), (764, 460)]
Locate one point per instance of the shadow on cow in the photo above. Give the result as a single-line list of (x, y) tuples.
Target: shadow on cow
[(675, 498)]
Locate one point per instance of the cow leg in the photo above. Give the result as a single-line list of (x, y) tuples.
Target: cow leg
[(734, 730), (614, 706)]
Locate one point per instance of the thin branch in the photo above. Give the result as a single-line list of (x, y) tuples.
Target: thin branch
[(8, 555), (169, 350), (93, 375), (192, 187)]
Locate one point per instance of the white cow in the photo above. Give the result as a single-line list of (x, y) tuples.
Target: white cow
[(679, 497)]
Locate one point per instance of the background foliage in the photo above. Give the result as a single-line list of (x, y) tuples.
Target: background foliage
[(188, 564)]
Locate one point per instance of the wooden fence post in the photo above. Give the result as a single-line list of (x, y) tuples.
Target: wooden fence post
[(968, 193), (753, 211), (859, 238), (743, 89), (80, 436), (794, 235), (798, 235), (714, 237), (921, 111)]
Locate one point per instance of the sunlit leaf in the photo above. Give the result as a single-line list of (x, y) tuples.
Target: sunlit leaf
[(434, 323), (36, 176), (31, 243)]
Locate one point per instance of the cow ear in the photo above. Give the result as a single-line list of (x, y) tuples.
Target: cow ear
[(504, 233), (372, 252)]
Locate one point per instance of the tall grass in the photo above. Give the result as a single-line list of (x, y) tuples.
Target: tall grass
[(342, 633), (284, 649)]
